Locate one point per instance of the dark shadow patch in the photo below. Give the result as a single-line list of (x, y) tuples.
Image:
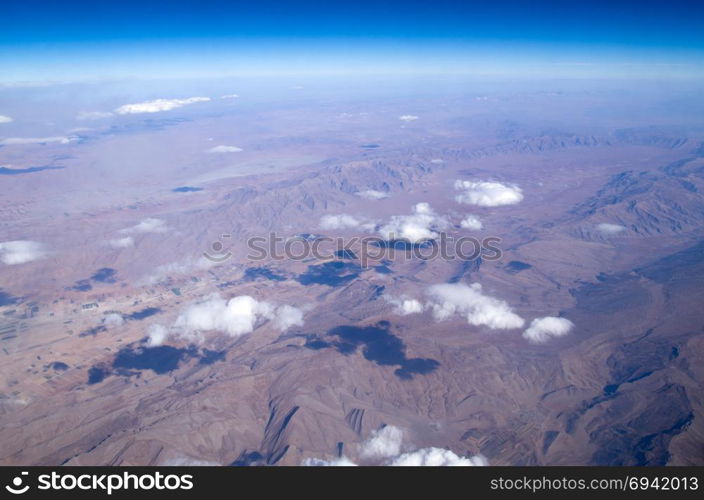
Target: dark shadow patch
[(334, 273), (144, 313), (345, 254), (81, 286), (104, 275), (369, 146), (516, 266), (92, 332), (58, 366), (18, 171), (378, 345), (6, 299), (97, 374), (383, 269), (161, 359), (255, 273), (249, 458), (208, 357), (186, 189)]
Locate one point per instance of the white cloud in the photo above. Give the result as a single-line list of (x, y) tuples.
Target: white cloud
[(5, 119), (93, 115), (340, 221), (408, 118), (190, 264), (385, 447), (383, 443), (20, 251), (371, 194), (335, 462), (446, 300), (487, 193), (19, 141), (229, 96), (609, 229), (157, 105), (414, 228), (404, 305), (125, 242), (149, 225), (472, 222), (437, 161), (235, 317), (113, 319), (224, 149), (543, 329), (437, 457)]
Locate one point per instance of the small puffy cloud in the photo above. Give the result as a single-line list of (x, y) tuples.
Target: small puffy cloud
[(437, 457), (149, 225), (609, 229), (437, 161), (340, 221), (420, 226), (235, 317), (447, 300), (372, 194), (335, 462), (21, 141), (113, 319), (93, 115), (5, 119), (383, 443), (487, 193), (404, 305), (157, 105), (472, 223), (229, 96), (385, 447), (20, 251), (156, 335), (184, 266), (224, 149), (125, 242), (543, 329), (408, 118)]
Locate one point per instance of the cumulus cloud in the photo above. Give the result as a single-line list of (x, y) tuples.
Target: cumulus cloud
[(609, 229), (437, 161), (224, 149), (447, 300), (149, 225), (437, 457), (383, 443), (113, 319), (125, 242), (20, 251), (187, 265), (371, 194), (340, 221), (407, 118), (20, 141), (404, 305), (420, 226), (472, 222), (487, 193), (235, 317), (543, 329), (158, 105), (229, 96), (385, 446), (5, 119), (93, 115)]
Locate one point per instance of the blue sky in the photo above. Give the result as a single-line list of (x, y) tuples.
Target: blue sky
[(106, 39)]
